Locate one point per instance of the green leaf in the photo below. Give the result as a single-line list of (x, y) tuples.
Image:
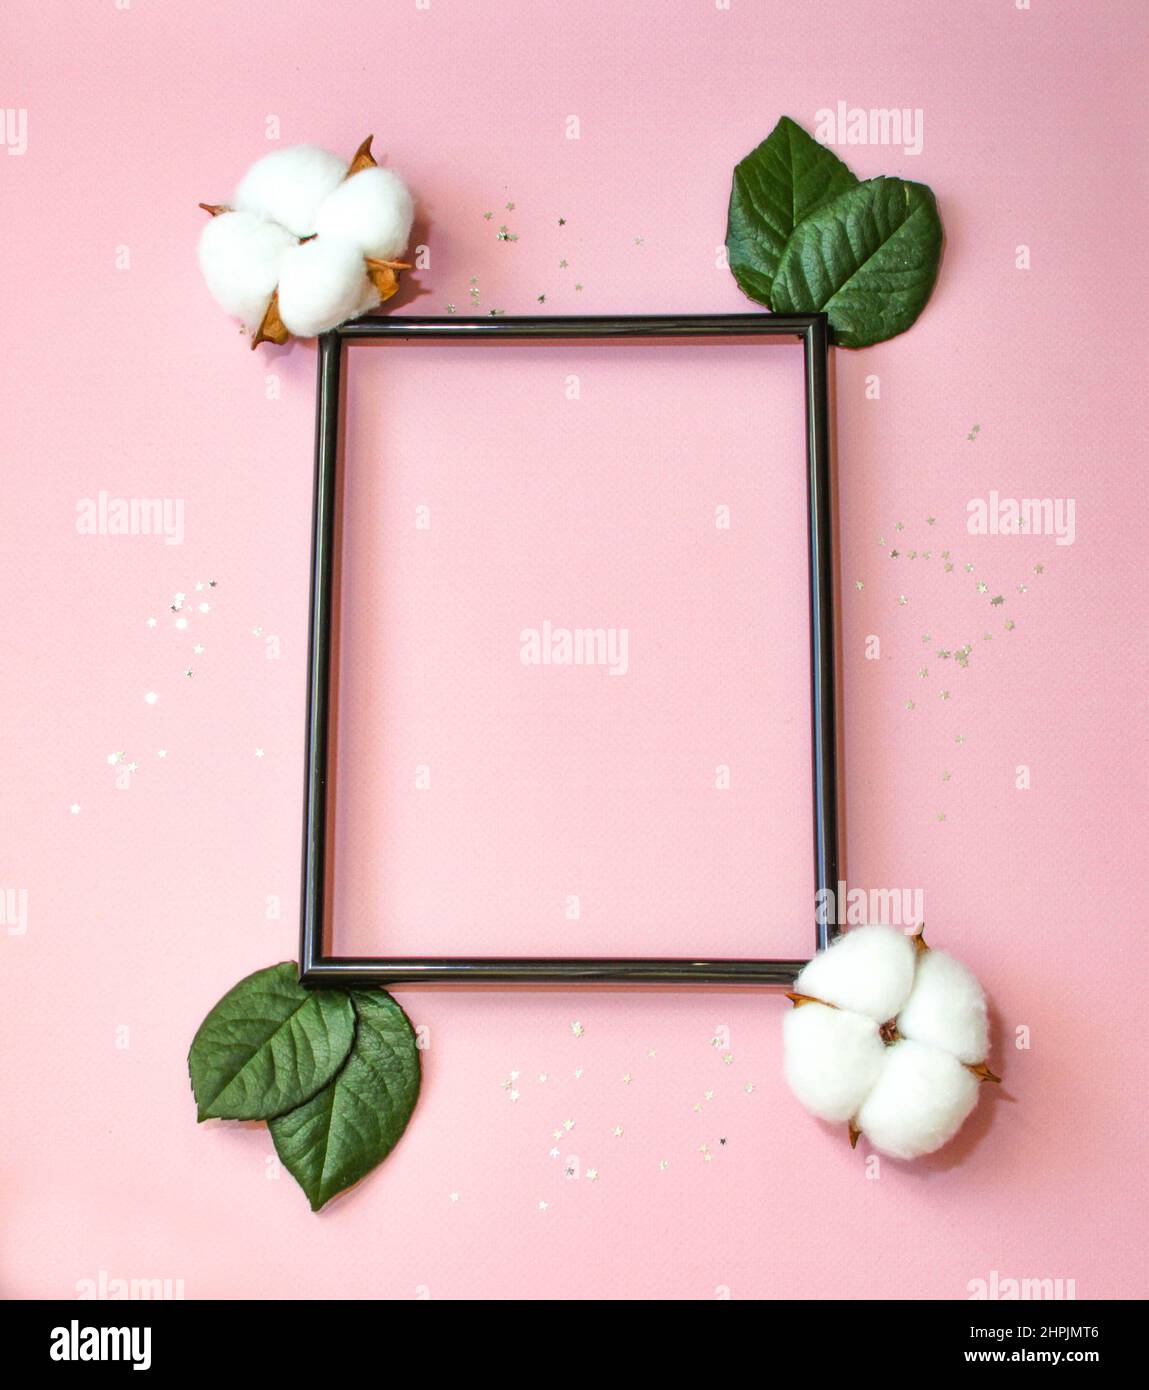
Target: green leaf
[(869, 259), (268, 1046), (355, 1122), (775, 187)]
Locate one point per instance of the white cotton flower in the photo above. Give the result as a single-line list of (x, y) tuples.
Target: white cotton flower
[(371, 209), (240, 255), (891, 1036), (920, 1101), (833, 1058), (322, 283), (869, 970), (287, 186), (298, 253)]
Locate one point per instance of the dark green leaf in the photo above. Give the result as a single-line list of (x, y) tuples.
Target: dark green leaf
[(869, 259), (355, 1122), (784, 180), (269, 1045)]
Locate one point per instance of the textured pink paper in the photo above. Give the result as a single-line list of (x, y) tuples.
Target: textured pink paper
[(144, 907), (651, 794)]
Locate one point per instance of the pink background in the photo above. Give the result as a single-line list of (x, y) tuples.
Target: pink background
[(552, 783), (173, 880)]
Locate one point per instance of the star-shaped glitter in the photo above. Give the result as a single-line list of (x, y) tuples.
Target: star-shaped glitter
[(75, 808), (592, 1175), (663, 1164), (910, 705), (150, 697), (488, 215), (941, 815), (543, 1206), (626, 1078), (198, 649), (946, 776), (568, 1125), (151, 622), (161, 752), (617, 1131), (998, 601), (981, 586), (860, 584), (542, 299), (577, 1029), (454, 1196), (562, 265), (945, 694), (578, 287), (562, 221), (903, 600), (930, 520), (133, 767), (1039, 569), (259, 752)]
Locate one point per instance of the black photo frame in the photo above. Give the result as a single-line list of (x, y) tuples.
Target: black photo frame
[(318, 969)]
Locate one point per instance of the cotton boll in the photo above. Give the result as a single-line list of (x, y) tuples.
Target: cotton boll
[(831, 1059), (287, 186), (373, 209), (869, 970), (240, 256), (947, 1008), (919, 1102), (321, 283)]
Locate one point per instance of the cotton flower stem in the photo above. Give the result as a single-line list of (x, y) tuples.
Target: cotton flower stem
[(982, 1072), (272, 329), (214, 208), (855, 1135), (383, 275), (363, 158), (799, 999)]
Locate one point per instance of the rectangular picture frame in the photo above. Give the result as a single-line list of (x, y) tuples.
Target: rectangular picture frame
[(316, 969)]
